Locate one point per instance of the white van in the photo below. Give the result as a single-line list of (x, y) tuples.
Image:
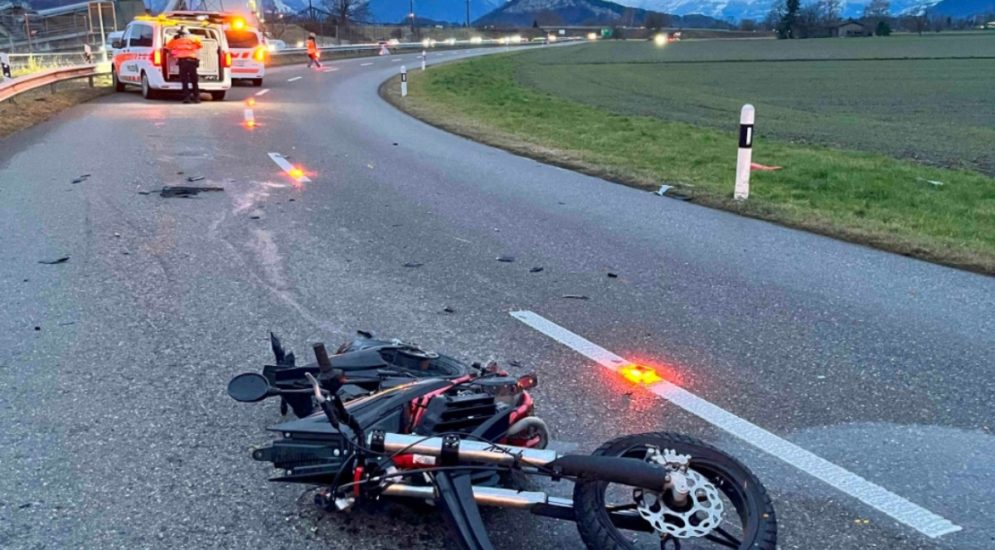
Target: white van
[(247, 45), (248, 54), (141, 59)]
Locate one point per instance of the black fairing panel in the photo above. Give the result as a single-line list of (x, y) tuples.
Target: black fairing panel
[(383, 410)]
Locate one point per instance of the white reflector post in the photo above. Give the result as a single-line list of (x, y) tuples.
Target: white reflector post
[(424, 56), (404, 81), (745, 155)]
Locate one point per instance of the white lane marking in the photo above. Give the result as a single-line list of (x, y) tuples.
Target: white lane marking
[(365, 64), (909, 513), (394, 60), (263, 92), (329, 69), (287, 167), (295, 78)]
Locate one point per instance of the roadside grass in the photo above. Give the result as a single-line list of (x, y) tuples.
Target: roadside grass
[(863, 197), (36, 106)]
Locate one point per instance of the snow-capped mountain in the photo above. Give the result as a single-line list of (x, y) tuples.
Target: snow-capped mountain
[(736, 10)]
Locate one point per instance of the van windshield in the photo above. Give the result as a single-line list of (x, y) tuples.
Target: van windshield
[(241, 39)]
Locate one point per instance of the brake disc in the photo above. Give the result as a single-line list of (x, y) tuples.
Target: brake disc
[(699, 517)]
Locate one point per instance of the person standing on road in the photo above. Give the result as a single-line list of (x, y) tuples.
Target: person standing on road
[(184, 49), (312, 51)]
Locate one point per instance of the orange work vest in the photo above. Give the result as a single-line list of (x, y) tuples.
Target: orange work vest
[(312, 47), (183, 48)]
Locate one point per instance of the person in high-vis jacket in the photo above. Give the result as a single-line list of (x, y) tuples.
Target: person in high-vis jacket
[(184, 48), (312, 51)]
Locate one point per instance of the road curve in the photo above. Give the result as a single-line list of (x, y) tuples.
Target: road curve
[(117, 432)]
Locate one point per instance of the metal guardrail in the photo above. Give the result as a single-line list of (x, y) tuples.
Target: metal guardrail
[(21, 84)]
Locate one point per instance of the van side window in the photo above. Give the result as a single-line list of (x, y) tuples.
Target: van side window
[(141, 36)]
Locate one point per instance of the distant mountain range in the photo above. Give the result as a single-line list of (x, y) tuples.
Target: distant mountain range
[(578, 11), (548, 13)]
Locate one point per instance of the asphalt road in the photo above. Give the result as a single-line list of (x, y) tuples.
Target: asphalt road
[(116, 430)]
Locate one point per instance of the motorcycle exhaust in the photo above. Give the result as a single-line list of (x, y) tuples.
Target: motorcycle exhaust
[(486, 496), (469, 451)]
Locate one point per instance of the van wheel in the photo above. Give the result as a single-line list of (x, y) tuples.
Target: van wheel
[(147, 91), (218, 96), (257, 82), (118, 86)]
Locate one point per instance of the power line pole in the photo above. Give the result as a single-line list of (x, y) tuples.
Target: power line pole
[(468, 14), (411, 14)]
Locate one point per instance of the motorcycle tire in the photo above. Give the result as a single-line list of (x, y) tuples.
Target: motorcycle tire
[(752, 505)]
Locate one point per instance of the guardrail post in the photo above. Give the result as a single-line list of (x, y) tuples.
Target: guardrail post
[(404, 81), (745, 155), (5, 66), (90, 80)]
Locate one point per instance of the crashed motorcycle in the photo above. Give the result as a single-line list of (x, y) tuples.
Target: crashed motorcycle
[(385, 419)]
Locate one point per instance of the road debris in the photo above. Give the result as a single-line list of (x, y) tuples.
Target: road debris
[(576, 297), (448, 309), (612, 275), (184, 191), (536, 269), (936, 183), (515, 363), (192, 179), (61, 260), (37, 328), (756, 167), (413, 264), (663, 189), (506, 259)]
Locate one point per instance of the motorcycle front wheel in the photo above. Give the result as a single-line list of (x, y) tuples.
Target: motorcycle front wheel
[(733, 509)]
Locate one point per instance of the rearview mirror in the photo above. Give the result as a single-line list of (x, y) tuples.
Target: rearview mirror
[(248, 388), (116, 44), (528, 381)]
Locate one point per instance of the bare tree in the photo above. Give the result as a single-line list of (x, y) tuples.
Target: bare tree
[(347, 12), (877, 9), (830, 10), (656, 20)]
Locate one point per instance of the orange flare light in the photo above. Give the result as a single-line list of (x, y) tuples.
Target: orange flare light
[(639, 374), (250, 102), (296, 173)]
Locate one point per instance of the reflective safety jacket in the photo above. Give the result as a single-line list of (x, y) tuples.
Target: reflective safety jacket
[(312, 47), (183, 47)]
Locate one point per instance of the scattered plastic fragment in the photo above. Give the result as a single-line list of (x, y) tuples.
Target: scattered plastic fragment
[(192, 179), (61, 260), (413, 264), (536, 269), (576, 296), (448, 309), (184, 191), (612, 275), (506, 259), (663, 190), (763, 167)]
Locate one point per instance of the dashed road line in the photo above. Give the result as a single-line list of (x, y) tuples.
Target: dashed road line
[(264, 91), (295, 78), (875, 496), (329, 69), (365, 64), (287, 167)]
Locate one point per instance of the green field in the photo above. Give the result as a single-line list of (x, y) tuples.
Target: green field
[(860, 139), (932, 100)]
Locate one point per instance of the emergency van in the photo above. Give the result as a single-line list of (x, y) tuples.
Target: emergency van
[(141, 59), (246, 43)]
